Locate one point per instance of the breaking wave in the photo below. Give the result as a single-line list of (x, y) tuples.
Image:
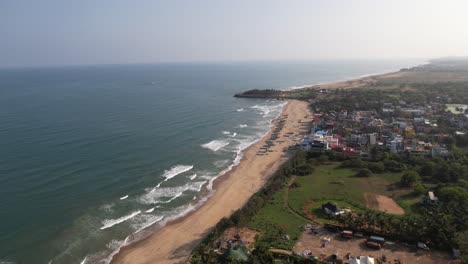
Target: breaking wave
[(215, 145), (174, 171), (112, 222)]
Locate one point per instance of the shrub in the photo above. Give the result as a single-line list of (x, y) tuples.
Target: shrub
[(364, 173), (376, 167)]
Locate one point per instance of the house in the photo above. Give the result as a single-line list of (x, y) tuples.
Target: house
[(430, 199), (332, 209), (439, 152), (395, 144)]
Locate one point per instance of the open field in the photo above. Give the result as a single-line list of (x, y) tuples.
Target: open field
[(277, 216), (293, 207), (341, 186)]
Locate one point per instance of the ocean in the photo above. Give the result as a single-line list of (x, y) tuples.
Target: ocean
[(95, 157)]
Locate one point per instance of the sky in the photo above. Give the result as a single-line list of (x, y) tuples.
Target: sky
[(66, 32)]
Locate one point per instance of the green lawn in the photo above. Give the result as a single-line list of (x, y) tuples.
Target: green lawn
[(341, 186), (276, 216), (284, 213)]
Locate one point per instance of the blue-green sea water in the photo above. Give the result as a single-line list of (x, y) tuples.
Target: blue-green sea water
[(94, 157)]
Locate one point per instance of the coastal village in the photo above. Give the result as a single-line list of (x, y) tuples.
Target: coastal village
[(376, 162)]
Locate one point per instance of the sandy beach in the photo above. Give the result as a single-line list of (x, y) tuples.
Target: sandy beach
[(174, 242)]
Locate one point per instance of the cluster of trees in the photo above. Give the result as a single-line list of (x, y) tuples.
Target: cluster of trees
[(438, 226)]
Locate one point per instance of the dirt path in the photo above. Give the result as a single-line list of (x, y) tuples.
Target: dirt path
[(383, 203)]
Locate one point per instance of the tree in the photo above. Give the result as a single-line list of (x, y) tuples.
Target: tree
[(409, 178), (419, 188), (394, 166), (376, 167), (304, 169), (461, 239)]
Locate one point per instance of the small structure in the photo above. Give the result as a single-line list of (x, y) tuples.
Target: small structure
[(331, 209), (439, 152), (362, 260), (430, 199)]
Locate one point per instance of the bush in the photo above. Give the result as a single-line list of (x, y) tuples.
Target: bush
[(304, 169), (376, 167), (394, 166), (419, 188), (364, 173)]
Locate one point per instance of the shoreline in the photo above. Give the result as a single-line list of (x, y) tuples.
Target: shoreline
[(174, 242)]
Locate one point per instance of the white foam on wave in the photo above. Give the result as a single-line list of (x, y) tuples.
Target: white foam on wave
[(82, 262), (149, 223), (157, 196), (150, 210), (124, 197), (169, 194), (242, 125), (114, 244), (215, 145), (234, 134), (175, 197), (185, 209), (193, 176), (240, 110), (112, 222), (265, 109), (174, 171), (197, 186), (245, 144), (226, 133), (176, 213)]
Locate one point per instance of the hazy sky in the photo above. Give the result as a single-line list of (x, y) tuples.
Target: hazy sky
[(49, 32)]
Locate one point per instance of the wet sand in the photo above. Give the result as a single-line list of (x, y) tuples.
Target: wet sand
[(174, 242)]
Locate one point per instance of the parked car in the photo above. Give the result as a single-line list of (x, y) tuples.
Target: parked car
[(422, 246), (347, 234), (373, 245)]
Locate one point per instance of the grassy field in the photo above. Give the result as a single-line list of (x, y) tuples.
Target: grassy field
[(277, 216), (328, 183)]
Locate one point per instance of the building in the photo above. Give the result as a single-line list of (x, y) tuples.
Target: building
[(439, 152), (430, 199), (395, 144), (332, 209), (362, 260)]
